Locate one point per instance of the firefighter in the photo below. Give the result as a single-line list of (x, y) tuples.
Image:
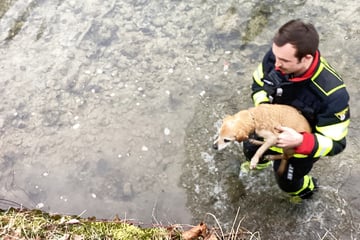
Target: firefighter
[(294, 73)]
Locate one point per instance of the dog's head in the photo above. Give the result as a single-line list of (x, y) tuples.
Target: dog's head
[(231, 130)]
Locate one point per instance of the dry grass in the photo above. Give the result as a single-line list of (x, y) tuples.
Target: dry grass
[(236, 231)]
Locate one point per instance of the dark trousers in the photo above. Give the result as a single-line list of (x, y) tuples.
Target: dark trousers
[(294, 179)]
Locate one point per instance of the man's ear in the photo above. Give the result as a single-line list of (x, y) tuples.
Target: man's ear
[(307, 58)]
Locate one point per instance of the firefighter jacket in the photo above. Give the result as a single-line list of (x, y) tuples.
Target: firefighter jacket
[(319, 94)]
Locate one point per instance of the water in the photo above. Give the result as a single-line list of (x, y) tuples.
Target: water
[(111, 107)]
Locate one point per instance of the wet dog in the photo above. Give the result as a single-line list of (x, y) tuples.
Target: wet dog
[(262, 120)]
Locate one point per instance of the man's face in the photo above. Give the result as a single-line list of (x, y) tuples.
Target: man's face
[(286, 60)]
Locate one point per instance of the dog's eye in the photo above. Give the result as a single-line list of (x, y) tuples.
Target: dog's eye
[(227, 140)]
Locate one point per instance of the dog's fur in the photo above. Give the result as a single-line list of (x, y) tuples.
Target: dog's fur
[(263, 120)]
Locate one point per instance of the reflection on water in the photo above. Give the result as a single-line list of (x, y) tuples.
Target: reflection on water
[(111, 107)]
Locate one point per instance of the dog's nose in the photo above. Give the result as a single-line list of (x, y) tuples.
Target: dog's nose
[(215, 146)]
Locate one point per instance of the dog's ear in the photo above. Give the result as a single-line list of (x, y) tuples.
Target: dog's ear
[(241, 135)]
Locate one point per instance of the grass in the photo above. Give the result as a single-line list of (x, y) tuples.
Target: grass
[(22, 224), (18, 223), (35, 224)]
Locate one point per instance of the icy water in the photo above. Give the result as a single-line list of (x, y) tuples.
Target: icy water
[(111, 107)]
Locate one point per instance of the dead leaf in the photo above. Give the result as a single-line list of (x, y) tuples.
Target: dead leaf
[(195, 232), (211, 236)]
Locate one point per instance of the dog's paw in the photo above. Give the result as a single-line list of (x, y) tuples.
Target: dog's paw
[(253, 163)]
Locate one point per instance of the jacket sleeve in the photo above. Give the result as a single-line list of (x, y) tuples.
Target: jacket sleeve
[(331, 129), (259, 95)]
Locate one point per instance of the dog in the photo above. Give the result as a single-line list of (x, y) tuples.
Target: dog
[(263, 120)]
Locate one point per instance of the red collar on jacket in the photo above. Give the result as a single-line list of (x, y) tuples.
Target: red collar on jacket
[(310, 72)]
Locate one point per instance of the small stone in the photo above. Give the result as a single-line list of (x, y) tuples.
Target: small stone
[(93, 195), (144, 149), (40, 205), (167, 131), (63, 198), (114, 73)]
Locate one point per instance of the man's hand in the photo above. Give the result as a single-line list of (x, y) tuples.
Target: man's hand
[(288, 137)]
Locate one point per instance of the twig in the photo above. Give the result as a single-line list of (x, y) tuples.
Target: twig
[(327, 233), (82, 213), (153, 213), (217, 222)]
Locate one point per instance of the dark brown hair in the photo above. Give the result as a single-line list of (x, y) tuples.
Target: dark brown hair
[(302, 35)]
